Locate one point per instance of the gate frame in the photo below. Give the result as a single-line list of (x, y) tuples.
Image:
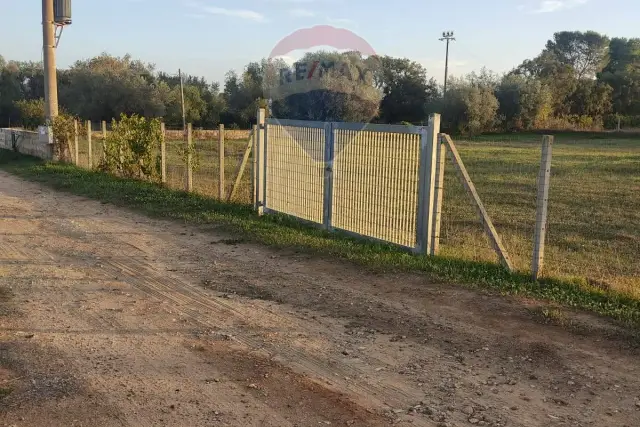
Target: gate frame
[(427, 191)]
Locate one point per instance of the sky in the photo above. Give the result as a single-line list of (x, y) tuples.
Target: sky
[(210, 37)]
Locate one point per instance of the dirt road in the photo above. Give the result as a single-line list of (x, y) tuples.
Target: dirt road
[(111, 319)]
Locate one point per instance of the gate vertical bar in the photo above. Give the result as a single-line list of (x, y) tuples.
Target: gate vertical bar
[(426, 183), (261, 160), (254, 167), (439, 195), (544, 176), (329, 150)]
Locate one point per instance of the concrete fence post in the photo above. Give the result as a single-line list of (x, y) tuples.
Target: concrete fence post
[(254, 167), (426, 184), (542, 202), (439, 196), (262, 161)]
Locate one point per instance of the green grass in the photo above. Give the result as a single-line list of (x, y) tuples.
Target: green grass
[(594, 206), (281, 232)]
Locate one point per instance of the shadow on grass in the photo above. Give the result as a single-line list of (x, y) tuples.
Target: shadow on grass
[(284, 232)]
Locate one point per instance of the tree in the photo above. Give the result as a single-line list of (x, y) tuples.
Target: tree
[(585, 53), (622, 74), (560, 78), (407, 92), (329, 86), (525, 102), (105, 87), (471, 105), (31, 112), (10, 93), (195, 107), (591, 98)]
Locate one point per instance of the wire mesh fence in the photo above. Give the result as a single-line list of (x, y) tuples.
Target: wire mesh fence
[(593, 229), (206, 159)]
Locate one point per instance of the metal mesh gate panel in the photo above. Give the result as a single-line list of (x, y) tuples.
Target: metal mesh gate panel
[(295, 168), (375, 181)]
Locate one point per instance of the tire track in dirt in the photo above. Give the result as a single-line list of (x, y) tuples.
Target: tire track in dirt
[(194, 302)]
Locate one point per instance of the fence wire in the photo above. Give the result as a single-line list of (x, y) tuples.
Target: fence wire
[(593, 227)]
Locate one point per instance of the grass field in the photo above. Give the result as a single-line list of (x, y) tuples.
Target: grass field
[(594, 202), (594, 205)]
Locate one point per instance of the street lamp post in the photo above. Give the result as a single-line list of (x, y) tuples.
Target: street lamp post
[(448, 37)]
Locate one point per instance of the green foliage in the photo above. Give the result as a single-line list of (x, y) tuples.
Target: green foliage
[(131, 148), (585, 53), (408, 92), (345, 91), (186, 150), (63, 128), (31, 112), (525, 103), (471, 105)]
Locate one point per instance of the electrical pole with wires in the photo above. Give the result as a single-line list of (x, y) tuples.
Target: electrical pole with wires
[(448, 37), (49, 61)]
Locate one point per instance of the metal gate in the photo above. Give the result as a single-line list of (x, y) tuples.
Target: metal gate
[(376, 181)]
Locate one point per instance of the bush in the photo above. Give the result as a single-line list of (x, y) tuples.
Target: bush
[(31, 112), (131, 149), (626, 122), (64, 132)]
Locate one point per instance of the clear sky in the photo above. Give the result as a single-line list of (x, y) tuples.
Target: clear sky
[(210, 37)]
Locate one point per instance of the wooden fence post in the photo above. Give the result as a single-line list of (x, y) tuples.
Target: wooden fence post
[(104, 129), (542, 202), (243, 165), (426, 184), (90, 163), (75, 139), (493, 235), (261, 154), (163, 154), (439, 195), (189, 157), (221, 184)]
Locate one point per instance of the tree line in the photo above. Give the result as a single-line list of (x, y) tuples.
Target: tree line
[(580, 80)]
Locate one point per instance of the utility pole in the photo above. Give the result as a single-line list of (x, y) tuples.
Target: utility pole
[(448, 36), (49, 57), (184, 114)]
